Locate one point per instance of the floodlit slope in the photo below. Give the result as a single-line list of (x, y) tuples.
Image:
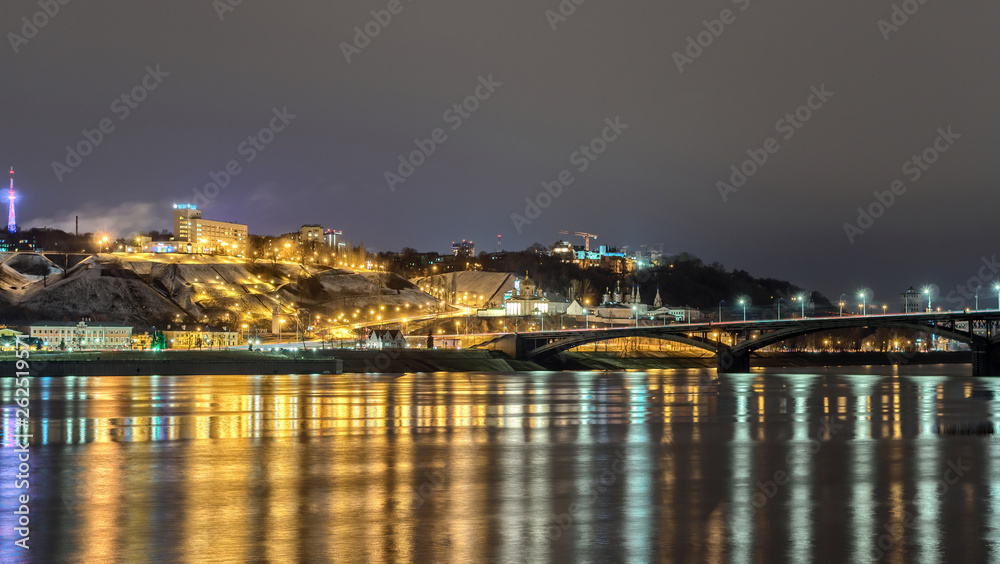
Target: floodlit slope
[(492, 285), (147, 289)]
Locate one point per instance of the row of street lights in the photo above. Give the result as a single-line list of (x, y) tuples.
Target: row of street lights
[(744, 302), (863, 295)]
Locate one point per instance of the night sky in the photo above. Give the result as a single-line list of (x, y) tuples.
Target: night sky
[(691, 111)]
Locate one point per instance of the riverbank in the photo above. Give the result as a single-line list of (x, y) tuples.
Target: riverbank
[(146, 363), (180, 363)]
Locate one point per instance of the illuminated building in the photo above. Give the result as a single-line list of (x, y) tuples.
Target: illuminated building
[(199, 336), (311, 235), (525, 300), (334, 239), (563, 250), (84, 335), (8, 338), (386, 339), (465, 249), (194, 234)]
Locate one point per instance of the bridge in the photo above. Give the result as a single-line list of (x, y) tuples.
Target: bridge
[(979, 329)]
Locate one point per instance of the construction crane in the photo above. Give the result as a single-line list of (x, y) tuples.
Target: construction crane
[(586, 238)]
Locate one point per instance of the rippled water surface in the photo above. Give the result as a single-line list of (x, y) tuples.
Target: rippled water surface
[(667, 466)]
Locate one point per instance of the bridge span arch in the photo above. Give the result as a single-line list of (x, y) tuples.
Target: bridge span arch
[(784, 334), (979, 329), (552, 347)]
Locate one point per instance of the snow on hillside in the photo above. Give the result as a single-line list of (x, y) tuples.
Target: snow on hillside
[(146, 289), (492, 285)]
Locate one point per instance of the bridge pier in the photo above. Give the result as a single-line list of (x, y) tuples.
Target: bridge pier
[(510, 345), (985, 359), (732, 362)]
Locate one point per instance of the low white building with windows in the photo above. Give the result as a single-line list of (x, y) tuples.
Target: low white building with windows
[(83, 335), (386, 339), (685, 314)]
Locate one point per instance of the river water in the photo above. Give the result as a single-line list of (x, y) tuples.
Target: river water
[(660, 466)]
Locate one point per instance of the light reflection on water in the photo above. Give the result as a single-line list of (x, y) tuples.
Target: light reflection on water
[(532, 467)]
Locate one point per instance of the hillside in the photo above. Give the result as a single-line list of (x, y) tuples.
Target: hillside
[(147, 289), (491, 285)]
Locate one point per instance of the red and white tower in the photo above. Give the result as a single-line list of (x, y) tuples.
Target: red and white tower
[(11, 220)]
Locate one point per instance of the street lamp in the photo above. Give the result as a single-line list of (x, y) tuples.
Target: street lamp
[(864, 302), (928, 292), (997, 288), (280, 323), (977, 296), (884, 307), (802, 301), (586, 312), (842, 297), (635, 314), (743, 303)]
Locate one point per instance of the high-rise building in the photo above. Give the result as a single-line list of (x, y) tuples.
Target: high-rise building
[(465, 249), (333, 238), (194, 234)]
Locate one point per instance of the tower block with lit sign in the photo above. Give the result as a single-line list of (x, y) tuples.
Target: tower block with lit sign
[(196, 235)]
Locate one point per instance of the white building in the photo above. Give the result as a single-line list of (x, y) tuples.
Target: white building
[(193, 234), (83, 335), (491, 312), (525, 300), (685, 314), (386, 339), (615, 306), (575, 309)]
